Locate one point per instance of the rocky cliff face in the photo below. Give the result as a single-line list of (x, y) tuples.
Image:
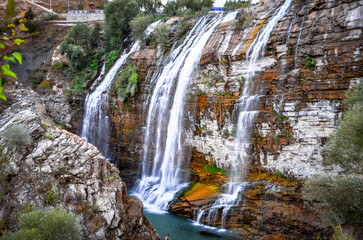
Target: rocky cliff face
[(313, 56), (60, 168)]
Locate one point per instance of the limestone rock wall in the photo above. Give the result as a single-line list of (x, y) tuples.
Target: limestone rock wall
[(81, 178), (301, 104)]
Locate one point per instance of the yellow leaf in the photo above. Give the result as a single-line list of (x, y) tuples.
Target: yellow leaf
[(23, 28), (13, 31), (11, 25), (6, 38)]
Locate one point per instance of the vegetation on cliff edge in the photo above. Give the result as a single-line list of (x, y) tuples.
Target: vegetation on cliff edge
[(342, 194)]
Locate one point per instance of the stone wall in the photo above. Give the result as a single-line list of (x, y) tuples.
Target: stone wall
[(85, 16)]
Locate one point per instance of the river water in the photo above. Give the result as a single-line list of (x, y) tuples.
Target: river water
[(180, 228)]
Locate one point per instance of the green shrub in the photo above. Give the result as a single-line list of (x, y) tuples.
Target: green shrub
[(118, 15), (213, 169), (309, 62), (244, 19), (111, 58), (96, 36), (36, 76), (344, 147), (195, 5), (148, 6), (81, 79), (171, 8), (55, 224), (225, 133), (16, 136), (161, 34), (342, 195), (231, 5), (58, 66), (126, 83), (45, 84), (182, 29), (354, 96), (4, 161), (81, 45), (138, 26), (53, 196)]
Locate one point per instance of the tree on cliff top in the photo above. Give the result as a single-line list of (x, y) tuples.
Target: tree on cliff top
[(118, 15)]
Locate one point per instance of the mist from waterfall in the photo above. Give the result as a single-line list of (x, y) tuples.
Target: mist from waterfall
[(96, 122)]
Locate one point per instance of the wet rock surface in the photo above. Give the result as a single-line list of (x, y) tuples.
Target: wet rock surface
[(80, 177)]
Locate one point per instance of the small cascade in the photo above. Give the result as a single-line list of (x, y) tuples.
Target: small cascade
[(99, 78), (211, 214), (312, 26), (298, 39), (226, 40), (96, 123), (288, 32), (246, 109), (162, 177)]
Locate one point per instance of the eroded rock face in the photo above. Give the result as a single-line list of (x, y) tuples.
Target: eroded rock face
[(312, 58), (81, 178), (266, 209)]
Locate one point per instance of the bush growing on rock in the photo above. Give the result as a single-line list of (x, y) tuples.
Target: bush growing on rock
[(16, 136), (55, 224), (4, 160), (126, 83), (138, 26), (36, 76), (345, 144), (161, 34), (342, 194)]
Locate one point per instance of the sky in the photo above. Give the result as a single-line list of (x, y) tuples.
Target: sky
[(217, 3)]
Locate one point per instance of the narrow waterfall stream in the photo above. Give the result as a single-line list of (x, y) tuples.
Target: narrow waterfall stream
[(96, 123), (162, 178), (246, 109)]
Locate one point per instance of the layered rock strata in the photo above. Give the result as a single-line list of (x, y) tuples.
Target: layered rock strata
[(60, 168)]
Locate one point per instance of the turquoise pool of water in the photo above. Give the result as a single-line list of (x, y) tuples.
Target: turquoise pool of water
[(184, 229)]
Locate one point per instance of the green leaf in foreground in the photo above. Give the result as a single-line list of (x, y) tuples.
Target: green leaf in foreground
[(6, 71), (18, 57)]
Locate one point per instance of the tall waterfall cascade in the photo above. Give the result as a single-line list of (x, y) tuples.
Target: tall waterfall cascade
[(246, 110), (96, 123), (162, 178)]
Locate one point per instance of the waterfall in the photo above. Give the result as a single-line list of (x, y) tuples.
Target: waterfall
[(298, 39), (162, 178), (246, 109), (96, 123)]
